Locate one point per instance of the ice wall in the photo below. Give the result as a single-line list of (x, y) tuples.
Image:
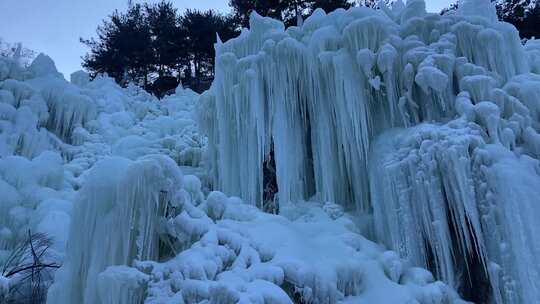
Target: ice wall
[(318, 94), (317, 97)]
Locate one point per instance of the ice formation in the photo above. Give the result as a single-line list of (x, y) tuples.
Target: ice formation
[(117, 179), (416, 130), (425, 125), (241, 255), (117, 217), (73, 153)]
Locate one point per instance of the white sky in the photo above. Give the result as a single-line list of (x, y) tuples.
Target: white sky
[(55, 26)]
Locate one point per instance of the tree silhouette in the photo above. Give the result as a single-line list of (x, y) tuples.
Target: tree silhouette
[(122, 47), (523, 14), (330, 5), (168, 41), (201, 29), (287, 11), (155, 47)]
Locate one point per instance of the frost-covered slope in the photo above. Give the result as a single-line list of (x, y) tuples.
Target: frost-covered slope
[(426, 125), (117, 179)]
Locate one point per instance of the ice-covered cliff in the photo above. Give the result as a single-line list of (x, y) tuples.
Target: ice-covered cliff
[(424, 125), (111, 183)]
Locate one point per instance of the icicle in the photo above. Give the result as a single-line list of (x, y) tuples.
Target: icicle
[(115, 222), (318, 95), (418, 207)]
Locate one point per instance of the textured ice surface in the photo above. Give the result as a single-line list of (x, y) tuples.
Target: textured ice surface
[(416, 130), (402, 116), (318, 94)]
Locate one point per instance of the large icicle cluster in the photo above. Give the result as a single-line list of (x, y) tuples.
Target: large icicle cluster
[(423, 183), (116, 178), (316, 97), (460, 200)]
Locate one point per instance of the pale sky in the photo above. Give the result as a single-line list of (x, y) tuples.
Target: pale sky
[(54, 26)]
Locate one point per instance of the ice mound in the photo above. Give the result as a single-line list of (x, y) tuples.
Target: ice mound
[(245, 256)]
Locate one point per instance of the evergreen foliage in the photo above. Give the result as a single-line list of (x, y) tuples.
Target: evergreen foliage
[(523, 14), (155, 47), (287, 11)]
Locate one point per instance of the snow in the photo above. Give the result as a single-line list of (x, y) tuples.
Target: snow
[(79, 78), (4, 287), (121, 284), (478, 8), (43, 65), (515, 196), (248, 258), (407, 159)]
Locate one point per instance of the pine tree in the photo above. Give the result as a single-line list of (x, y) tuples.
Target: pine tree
[(202, 28), (168, 45), (121, 49), (168, 41), (330, 5), (523, 14), (155, 47), (287, 11)]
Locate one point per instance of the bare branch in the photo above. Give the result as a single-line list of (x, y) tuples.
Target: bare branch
[(33, 267)]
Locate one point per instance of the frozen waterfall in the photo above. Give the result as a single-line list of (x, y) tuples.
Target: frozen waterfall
[(399, 149), (428, 124), (117, 220)]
